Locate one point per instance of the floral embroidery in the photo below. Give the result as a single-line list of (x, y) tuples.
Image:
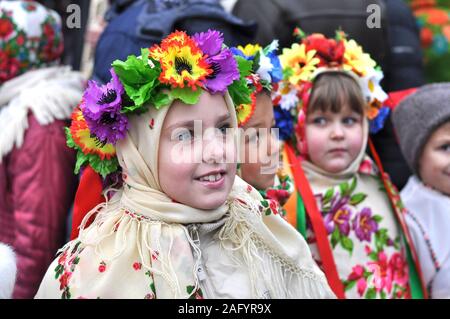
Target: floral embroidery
[(102, 266), (197, 294), (65, 268), (155, 255), (348, 222), (152, 294), (137, 266)]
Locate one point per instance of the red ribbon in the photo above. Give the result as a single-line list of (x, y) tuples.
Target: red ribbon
[(318, 225)]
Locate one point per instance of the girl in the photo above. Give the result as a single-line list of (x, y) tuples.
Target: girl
[(182, 225), (350, 224), (259, 145), (422, 122), (37, 96)]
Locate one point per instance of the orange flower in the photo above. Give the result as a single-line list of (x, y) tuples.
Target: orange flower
[(82, 137)]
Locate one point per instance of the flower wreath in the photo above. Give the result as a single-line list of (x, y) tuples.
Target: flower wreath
[(264, 71), (177, 68), (303, 61)]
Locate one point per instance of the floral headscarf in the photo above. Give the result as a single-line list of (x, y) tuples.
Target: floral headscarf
[(30, 38)]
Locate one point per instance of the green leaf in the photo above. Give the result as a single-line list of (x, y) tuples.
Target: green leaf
[(328, 195), (152, 287), (347, 244), (381, 238), (240, 92), (186, 95), (383, 295), (335, 237), (350, 284), (353, 185), (357, 198), (244, 66), (265, 203), (255, 63), (344, 189), (373, 255), (139, 79), (371, 293), (377, 218)]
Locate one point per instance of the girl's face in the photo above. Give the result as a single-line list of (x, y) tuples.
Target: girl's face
[(197, 160), (334, 140), (435, 160), (259, 147)]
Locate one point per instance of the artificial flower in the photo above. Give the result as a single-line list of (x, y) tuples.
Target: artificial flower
[(329, 51), (245, 111), (101, 108), (182, 62), (355, 59), (221, 61), (299, 64), (88, 144)]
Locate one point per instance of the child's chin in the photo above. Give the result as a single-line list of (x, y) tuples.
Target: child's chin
[(210, 202)]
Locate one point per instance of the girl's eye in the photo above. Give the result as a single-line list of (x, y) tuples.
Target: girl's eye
[(223, 128), (445, 147), (320, 120), (349, 120), (184, 135)]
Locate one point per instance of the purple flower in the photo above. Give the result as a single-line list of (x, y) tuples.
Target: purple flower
[(101, 108), (340, 218), (209, 42), (101, 99), (221, 60), (364, 225)]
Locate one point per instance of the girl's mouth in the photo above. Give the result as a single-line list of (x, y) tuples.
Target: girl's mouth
[(212, 180)]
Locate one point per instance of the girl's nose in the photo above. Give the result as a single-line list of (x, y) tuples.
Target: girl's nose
[(337, 132), (213, 150)]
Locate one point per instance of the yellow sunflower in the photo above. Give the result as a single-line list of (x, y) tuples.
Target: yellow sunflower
[(182, 62), (250, 49), (82, 137), (356, 60), (302, 64)]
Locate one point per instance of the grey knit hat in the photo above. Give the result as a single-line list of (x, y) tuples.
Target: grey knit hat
[(418, 116)]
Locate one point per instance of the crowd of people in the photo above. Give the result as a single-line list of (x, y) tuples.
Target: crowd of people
[(226, 150)]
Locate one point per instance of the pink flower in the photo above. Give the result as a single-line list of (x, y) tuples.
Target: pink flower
[(365, 167), (399, 269), (357, 273), (382, 274), (361, 286)]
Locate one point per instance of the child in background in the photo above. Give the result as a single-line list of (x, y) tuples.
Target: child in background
[(331, 91), (422, 123), (37, 97), (182, 225), (260, 148)]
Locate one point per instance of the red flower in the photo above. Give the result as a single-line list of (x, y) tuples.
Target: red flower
[(274, 206), (6, 27), (62, 258), (137, 266), (155, 255), (279, 195), (329, 51), (64, 280), (49, 32), (102, 267), (20, 40), (9, 67), (426, 37)]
